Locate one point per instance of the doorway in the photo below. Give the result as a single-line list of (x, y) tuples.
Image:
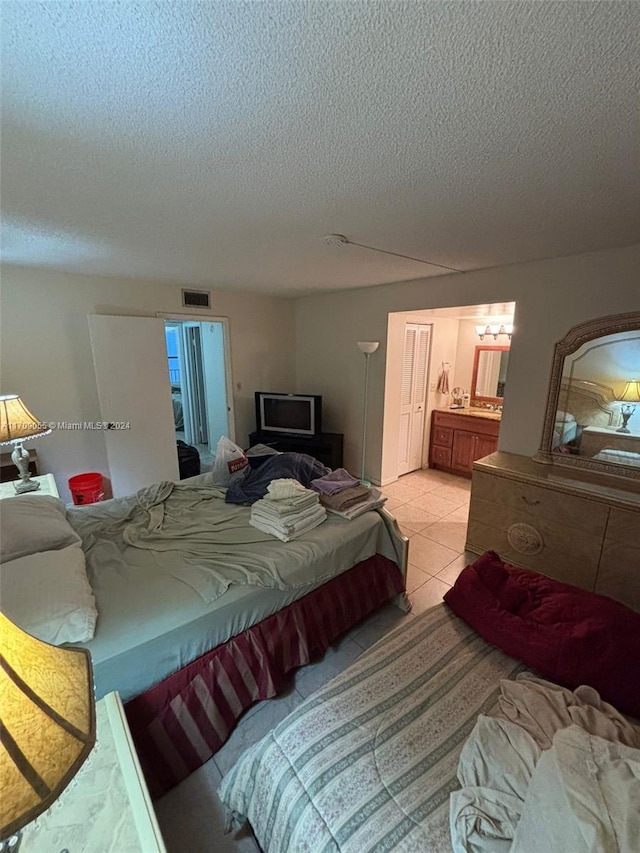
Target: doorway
[(197, 365), (424, 381)]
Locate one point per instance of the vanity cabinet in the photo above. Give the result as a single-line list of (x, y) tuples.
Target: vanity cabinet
[(460, 437), (571, 526)]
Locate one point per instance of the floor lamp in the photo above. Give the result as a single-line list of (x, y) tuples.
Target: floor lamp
[(367, 348)]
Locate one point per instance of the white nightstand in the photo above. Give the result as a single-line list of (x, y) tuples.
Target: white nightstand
[(106, 808), (47, 487)]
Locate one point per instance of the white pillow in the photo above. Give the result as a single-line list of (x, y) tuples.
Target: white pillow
[(48, 595), (564, 417), (33, 523)]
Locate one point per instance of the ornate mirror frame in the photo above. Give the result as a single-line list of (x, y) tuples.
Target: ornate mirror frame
[(573, 340), (479, 399)]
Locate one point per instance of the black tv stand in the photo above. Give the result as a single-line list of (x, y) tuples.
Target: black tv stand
[(326, 447)]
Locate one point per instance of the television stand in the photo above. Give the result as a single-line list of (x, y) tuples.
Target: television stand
[(326, 447)]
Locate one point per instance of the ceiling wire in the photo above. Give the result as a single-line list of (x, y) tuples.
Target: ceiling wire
[(340, 239)]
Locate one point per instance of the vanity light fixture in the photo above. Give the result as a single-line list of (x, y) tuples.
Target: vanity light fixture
[(494, 329), (628, 400)]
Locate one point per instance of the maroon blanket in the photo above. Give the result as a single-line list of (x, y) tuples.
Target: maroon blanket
[(565, 633)]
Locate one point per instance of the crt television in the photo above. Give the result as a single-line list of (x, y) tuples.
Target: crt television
[(295, 414)]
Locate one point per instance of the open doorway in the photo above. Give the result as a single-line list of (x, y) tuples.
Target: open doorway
[(434, 357), (198, 372)]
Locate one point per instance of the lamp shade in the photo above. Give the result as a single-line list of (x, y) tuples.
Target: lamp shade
[(631, 393), (368, 347), (47, 723), (17, 422)]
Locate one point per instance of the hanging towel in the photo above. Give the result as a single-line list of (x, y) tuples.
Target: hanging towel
[(443, 381)]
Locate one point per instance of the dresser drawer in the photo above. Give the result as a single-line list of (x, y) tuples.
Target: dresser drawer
[(440, 455), (619, 573), (552, 535), (565, 510), (567, 568), (442, 436)]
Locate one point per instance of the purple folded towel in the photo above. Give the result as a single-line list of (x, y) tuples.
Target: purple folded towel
[(334, 482)]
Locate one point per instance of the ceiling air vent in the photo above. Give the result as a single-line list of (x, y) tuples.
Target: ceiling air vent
[(196, 298)]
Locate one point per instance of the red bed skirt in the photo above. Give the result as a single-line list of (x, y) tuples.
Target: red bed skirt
[(181, 722)]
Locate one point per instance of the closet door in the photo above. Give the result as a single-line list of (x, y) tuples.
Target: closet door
[(130, 363), (415, 374)]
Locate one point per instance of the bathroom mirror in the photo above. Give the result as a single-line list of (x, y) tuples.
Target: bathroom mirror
[(592, 418), (489, 374)]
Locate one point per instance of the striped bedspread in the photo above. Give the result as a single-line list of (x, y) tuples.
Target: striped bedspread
[(368, 762)]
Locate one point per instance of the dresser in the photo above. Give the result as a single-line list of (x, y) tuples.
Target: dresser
[(326, 447), (106, 808), (597, 438), (576, 527), (460, 436)]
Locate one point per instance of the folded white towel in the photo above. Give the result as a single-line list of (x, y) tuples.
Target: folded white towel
[(286, 522), (283, 488), (287, 506), (296, 530)]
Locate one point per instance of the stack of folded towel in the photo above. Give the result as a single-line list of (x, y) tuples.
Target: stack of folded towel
[(287, 510), (342, 494)]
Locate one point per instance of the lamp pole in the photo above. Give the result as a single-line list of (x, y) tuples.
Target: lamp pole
[(367, 348)]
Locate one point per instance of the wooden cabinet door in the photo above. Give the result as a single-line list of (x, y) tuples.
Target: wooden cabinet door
[(484, 445), (463, 449)]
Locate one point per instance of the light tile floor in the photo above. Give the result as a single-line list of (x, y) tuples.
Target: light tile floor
[(431, 508)]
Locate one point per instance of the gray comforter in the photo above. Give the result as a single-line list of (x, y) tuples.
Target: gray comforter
[(189, 531)]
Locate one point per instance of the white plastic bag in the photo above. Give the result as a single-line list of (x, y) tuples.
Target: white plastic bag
[(229, 464)]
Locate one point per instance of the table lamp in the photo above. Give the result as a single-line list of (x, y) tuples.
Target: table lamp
[(17, 424), (47, 725), (629, 398)]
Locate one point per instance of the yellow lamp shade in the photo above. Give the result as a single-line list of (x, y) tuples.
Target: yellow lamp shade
[(631, 393), (47, 723), (16, 421)]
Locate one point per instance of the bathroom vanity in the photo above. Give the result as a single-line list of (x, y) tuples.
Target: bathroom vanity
[(461, 436)]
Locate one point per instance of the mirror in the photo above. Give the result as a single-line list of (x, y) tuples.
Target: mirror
[(489, 374), (592, 419)]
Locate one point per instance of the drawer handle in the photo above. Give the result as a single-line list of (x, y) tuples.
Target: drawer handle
[(529, 502)]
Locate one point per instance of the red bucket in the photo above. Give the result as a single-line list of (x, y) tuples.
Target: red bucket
[(86, 488)]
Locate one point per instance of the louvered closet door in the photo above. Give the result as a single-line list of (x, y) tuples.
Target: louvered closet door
[(415, 374)]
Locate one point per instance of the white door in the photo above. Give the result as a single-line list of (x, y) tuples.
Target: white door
[(130, 363), (415, 372)]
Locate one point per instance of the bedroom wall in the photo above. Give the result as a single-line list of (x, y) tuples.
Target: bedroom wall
[(46, 354), (551, 297)]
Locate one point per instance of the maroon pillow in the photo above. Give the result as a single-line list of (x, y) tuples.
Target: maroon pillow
[(565, 633)]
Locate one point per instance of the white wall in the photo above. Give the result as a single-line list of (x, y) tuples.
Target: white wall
[(46, 354), (551, 297)]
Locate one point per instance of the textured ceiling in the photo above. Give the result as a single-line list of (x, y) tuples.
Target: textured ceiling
[(217, 143)]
